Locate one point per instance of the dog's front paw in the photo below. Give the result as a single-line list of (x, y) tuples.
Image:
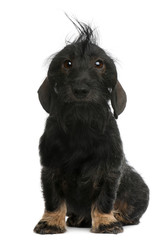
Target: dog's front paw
[(43, 228), (114, 228)]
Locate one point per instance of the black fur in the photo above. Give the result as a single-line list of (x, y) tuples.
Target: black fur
[(83, 163)]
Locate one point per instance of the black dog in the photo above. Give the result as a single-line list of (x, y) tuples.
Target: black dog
[(85, 174)]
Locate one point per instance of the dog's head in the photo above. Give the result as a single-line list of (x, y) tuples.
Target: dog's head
[(82, 73)]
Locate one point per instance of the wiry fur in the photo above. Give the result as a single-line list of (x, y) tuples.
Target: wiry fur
[(83, 162)]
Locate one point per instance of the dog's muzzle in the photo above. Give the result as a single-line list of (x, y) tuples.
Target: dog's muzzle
[(80, 91)]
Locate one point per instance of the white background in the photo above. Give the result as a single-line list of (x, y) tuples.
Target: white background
[(134, 32)]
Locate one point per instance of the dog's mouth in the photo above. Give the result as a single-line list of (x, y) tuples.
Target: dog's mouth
[(83, 113), (82, 105)]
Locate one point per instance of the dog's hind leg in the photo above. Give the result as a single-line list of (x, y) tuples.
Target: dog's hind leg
[(132, 198), (125, 213)]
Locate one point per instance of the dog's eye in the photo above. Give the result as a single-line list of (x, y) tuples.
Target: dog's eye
[(67, 64), (99, 64)]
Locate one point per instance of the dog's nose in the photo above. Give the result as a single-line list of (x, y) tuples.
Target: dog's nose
[(80, 91)]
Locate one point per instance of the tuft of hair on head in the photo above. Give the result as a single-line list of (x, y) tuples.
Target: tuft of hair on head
[(86, 33)]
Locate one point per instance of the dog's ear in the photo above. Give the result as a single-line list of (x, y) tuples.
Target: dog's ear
[(44, 95), (118, 99)]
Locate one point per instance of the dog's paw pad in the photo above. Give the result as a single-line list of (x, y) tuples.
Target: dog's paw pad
[(113, 228), (43, 228)]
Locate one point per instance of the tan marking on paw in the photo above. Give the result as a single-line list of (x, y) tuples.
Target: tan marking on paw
[(56, 218), (99, 218)]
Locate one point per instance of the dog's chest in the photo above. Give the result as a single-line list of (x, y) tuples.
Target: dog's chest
[(83, 139)]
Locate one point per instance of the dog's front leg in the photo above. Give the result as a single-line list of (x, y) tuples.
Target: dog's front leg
[(53, 220), (102, 212)]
